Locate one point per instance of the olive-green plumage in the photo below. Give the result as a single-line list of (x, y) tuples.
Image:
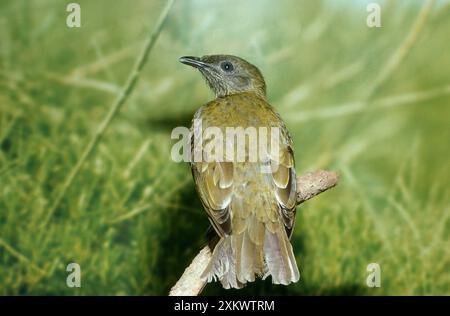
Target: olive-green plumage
[(251, 204)]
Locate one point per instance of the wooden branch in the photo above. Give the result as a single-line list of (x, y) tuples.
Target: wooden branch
[(308, 186), (314, 183)]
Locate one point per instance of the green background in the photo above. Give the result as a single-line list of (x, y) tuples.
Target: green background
[(369, 103)]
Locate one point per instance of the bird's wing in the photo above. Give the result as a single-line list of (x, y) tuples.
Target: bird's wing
[(214, 184), (285, 185)]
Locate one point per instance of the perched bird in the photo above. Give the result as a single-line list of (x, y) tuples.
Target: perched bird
[(250, 204)]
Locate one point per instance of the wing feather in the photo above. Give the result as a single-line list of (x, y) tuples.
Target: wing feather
[(285, 185), (215, 187)]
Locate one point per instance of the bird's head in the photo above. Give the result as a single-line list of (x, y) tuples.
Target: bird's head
[(227, 74)]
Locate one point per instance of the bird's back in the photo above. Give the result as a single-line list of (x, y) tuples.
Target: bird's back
[(250, 202)]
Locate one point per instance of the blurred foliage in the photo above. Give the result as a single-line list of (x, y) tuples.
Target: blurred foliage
[(132, 219)]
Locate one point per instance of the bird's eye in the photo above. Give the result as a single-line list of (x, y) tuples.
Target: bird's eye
[(227, 66)]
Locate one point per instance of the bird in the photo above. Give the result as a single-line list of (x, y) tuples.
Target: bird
[(251, 204)]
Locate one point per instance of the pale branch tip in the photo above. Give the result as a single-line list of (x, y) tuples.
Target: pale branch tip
[(308, 186)]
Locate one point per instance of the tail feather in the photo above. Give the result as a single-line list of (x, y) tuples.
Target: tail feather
[(280, 259), (252, 261), (237, 259), (222, 265)]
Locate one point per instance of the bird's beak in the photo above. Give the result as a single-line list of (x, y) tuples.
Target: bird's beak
[(193, 61)]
